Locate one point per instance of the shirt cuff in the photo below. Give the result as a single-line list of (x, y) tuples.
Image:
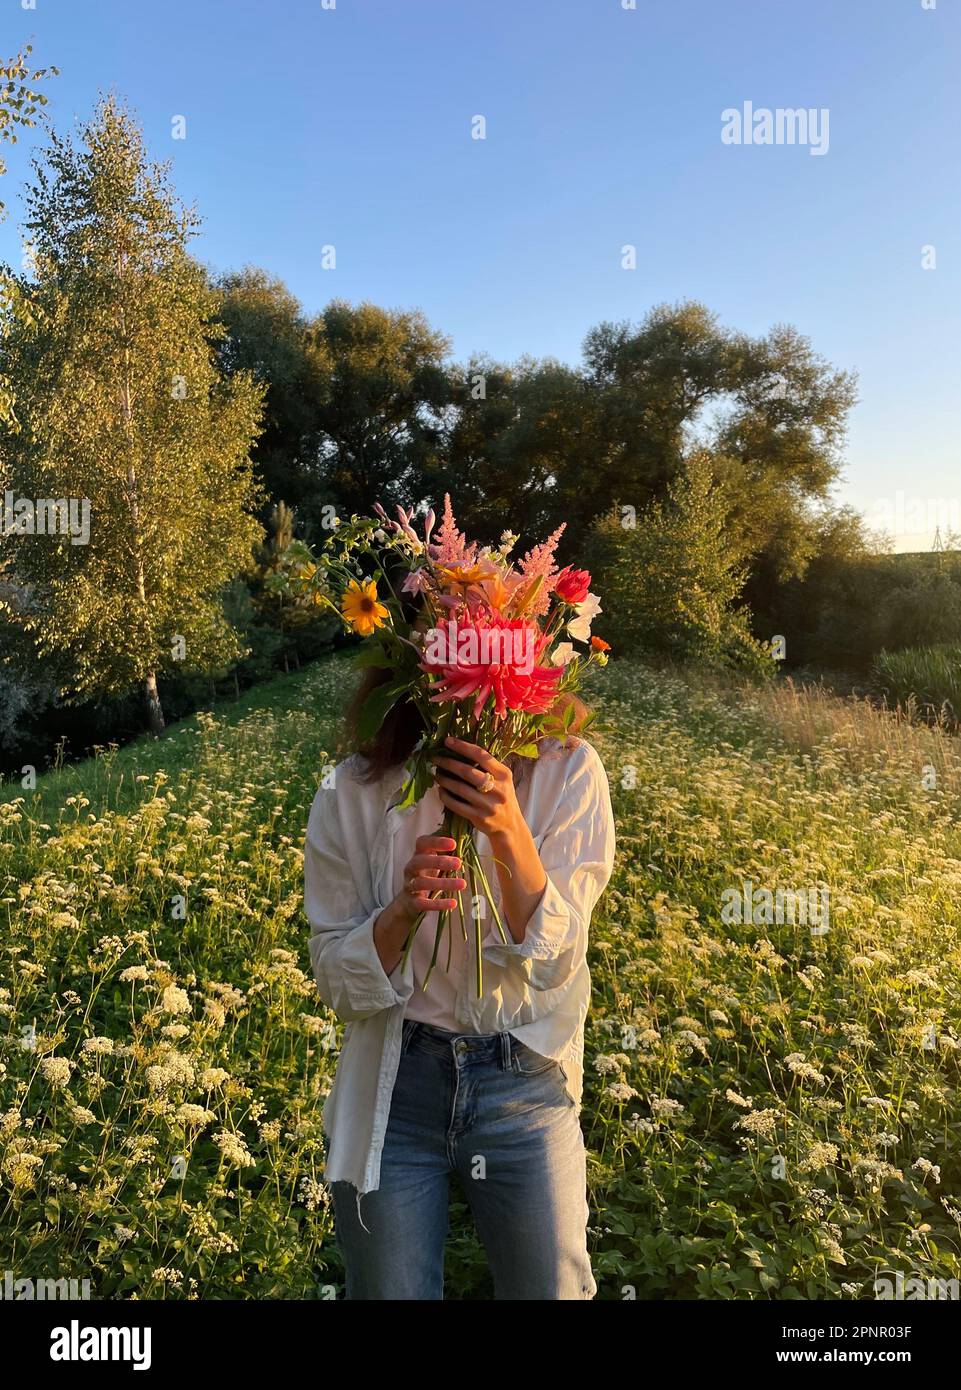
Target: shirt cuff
[(547, 934), (368, 984)]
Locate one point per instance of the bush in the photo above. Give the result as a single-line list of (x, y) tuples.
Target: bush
[(929, 675), (670, 582)]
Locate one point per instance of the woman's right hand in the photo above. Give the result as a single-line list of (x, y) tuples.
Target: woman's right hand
[(433, 859), (427, 870)]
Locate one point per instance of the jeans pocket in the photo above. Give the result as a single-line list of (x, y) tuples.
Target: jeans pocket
[(407, 1035), (526, 1061)]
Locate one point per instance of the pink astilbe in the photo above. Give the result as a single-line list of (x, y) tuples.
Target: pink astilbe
[(449, 546), (540, 561)]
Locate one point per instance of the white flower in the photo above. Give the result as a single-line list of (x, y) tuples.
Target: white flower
[(737, 1099), (562, 654), (56, 1070), (620, 1091), (927, 1169), (175, 1001), (580, 627)]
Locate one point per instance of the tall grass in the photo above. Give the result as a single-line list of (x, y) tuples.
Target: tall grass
[(929, 677)]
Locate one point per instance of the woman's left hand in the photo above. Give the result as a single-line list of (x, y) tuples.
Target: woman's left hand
[(481, 790)]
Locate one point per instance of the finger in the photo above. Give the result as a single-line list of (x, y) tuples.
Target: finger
[(435, 904), (426, 872), (427, 844), (466, 809), (471, 750), (465, 790), (429, 885), (462, 770), (443, 863)]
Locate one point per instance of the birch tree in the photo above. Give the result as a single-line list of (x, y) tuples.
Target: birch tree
[(122, 405)]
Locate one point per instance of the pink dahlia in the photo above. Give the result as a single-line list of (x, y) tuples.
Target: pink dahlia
[(498, 658)]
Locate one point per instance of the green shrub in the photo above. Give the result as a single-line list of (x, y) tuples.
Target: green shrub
[(929, 675)]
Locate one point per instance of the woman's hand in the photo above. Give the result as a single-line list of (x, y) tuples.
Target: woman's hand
[(433, 860), (481, 790), (427, 871)]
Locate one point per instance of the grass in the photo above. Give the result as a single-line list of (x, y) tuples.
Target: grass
[(925, 676), (769, 1113)]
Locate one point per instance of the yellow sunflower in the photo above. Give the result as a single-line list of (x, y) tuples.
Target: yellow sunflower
[(361, 608)]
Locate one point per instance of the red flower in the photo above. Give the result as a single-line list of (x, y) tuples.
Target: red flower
[(572, 585), (492, 658)]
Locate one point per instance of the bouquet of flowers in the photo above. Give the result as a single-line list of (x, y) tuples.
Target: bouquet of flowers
[(482, 645)]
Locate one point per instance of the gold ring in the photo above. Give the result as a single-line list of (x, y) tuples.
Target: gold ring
[(487, 783)]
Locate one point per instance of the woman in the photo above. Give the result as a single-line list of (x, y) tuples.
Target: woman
[(433, 1082)]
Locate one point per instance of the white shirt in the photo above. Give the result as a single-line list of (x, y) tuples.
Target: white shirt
[(537, 989)]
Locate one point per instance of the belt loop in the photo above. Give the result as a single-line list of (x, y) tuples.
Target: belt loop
[(506, 1051)]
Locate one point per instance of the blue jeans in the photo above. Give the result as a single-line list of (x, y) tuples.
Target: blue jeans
[(497, 1114)]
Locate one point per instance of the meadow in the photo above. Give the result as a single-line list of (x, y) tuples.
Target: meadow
[(770, 1112)]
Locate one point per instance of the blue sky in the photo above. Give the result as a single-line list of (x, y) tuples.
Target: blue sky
[(309, 127)]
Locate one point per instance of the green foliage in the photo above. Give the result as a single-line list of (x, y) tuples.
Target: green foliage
[(769, 410), (267, 336), (926, 676), (670, 582), (20, 103), (364, 407), (123, 405), (855, 601), (382, 387), (20, 106)]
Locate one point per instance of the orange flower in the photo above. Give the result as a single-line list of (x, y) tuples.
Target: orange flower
[(495, 592), (464, 578), (600, 645)]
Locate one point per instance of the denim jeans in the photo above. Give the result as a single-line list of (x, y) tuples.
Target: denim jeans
[(497, 1114)]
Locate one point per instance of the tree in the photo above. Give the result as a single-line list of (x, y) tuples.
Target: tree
[(383, 389), (671, 582), (20, 105), (124, 408), (267, 337), (771, 412)]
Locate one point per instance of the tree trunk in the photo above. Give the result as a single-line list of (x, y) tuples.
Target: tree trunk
[(154, 709)]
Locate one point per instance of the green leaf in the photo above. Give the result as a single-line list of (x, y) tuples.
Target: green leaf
[(373, 655), (377, 706), (418, 784)]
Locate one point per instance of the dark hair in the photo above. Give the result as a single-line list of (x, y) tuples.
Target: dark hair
[(403, 725)]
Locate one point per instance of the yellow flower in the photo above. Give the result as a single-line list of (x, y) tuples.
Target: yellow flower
[(464, 578), (361, 607)]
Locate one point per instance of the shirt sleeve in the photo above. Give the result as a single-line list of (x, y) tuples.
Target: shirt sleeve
[(350, 977), (577, 852)]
